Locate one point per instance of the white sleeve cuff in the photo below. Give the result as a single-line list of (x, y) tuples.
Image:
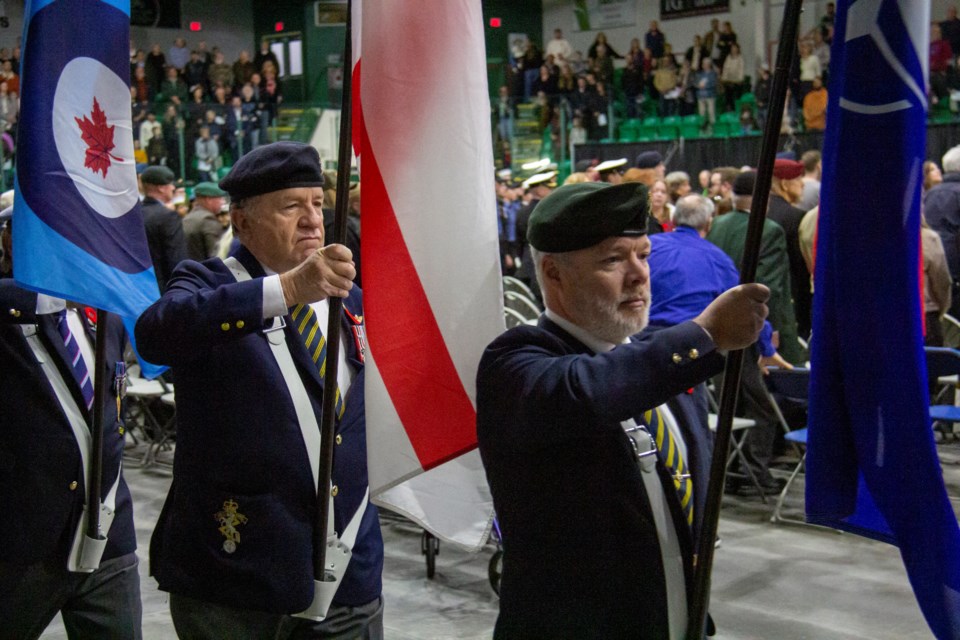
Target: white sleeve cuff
[(273, 302)]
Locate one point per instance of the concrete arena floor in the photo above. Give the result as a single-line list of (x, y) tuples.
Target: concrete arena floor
[(770, 581)]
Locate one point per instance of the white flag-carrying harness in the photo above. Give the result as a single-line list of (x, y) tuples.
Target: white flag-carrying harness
[(339, 548), (85, 552), (432, 289)]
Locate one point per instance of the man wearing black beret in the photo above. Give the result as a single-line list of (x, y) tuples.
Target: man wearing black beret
[(594, 537), (235, 541), (162, 224)]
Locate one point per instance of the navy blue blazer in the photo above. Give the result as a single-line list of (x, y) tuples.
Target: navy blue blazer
[(239, 448), (42, 488), (581, 554)]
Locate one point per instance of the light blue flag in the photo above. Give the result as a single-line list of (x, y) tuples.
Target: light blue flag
[(872, 464), (79, 232)]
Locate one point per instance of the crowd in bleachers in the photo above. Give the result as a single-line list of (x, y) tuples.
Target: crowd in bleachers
[(705, 84), (192, 96)]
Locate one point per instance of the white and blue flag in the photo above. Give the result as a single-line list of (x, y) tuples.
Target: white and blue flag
[(872, 465), (79, 232)]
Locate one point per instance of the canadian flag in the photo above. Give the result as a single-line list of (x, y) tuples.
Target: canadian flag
[(432, 287)]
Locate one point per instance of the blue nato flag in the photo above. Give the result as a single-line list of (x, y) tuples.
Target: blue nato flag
[(79, 231), (872, 465)]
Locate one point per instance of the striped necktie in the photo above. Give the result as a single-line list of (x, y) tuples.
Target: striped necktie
[(671, 457), (79, 368), (306, 322)]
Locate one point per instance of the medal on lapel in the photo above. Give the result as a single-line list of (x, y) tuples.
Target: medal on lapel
[(359, 333)]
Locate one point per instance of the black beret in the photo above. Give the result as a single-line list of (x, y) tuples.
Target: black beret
[(649, 160), (577, 216), (272, 167), (158, 174), (744, 182)]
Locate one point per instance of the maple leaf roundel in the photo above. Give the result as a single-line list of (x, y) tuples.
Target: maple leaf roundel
[(93, 134)]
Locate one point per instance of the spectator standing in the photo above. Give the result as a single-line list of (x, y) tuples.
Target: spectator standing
[(822, 50), (172, 125), (253, 112), (559, 47), (631, 83), (207, 152), (785, 192), (173, 90), (195, 72), (142, 86), (761, 92), (270, 95), (155, 64), (243, 68), (654, 40), (711, 38), (179, 54), (265, 55), (827, 21), (950, 28), (731, 76), (707, 93), (809, 69), (220, 74), (601, 39), (602, 65), (635, 53), (812, 162), (815, 107), (146, 129), (696, 53), (941, 57), (157, 147), (727, 39), (10, 76)]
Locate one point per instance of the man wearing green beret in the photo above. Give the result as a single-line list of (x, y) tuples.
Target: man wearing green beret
[(595, 540), (201, 226)]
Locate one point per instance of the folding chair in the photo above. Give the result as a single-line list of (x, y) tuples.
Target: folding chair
[(795, 385), (144, 402), (512, 284), (951, 331), (740, 425), (514, 318), (521, 304), (943, 364)]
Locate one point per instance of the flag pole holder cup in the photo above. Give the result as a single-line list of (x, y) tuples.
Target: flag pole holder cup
[(86, 552), (337, 558)]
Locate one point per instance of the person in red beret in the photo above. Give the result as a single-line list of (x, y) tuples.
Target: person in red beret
[(785, 192)]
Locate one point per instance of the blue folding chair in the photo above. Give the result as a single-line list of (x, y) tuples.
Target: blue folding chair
[(795, 385), (943, 365)]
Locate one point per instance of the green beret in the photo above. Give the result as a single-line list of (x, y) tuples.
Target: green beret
[(577, 216), (208, 190)]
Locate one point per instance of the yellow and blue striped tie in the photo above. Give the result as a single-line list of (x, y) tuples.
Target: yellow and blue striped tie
[(671, 457), (306, 323)]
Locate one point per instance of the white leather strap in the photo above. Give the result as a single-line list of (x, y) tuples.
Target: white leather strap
[(85, 553), (670, 553), (339, 549)]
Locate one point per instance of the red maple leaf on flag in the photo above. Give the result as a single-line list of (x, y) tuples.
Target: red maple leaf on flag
[(99, 140)]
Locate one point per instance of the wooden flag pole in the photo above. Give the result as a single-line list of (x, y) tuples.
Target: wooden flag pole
[(327, 423), (700, 599)]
